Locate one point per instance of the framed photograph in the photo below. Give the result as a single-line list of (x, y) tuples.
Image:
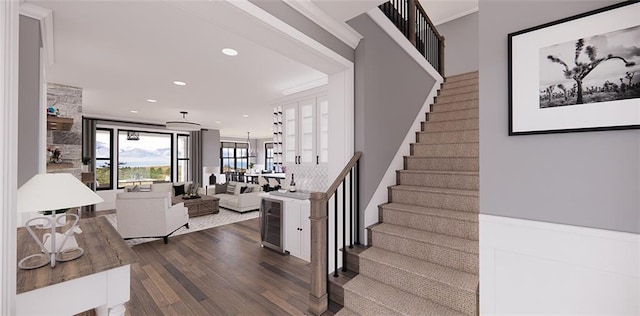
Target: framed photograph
[(577, 74)]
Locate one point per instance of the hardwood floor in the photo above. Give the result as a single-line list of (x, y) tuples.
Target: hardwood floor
[(218, 271)]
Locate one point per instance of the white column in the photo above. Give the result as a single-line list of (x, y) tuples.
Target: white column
[(9, 17)]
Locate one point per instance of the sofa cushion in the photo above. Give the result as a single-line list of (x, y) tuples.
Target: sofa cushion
[(231, 188), (178, 189)]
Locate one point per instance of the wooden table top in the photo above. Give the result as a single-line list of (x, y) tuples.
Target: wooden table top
[(179, 199), (103, 247)]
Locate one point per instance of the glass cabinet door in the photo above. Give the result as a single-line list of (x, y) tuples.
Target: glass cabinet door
[(290, 133), (307, 131)]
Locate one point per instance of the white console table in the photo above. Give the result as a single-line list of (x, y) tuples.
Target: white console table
[(99, 279)]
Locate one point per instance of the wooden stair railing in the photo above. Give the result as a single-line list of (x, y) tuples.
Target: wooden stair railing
[(411, 19), (320, 245)]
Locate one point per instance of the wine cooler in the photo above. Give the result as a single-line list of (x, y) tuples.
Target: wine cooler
[(271, 212)]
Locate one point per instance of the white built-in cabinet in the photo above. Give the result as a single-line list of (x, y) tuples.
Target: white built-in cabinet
[(297, 228), (306, 131)]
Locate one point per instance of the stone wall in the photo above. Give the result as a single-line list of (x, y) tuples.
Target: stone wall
[(68, 100)]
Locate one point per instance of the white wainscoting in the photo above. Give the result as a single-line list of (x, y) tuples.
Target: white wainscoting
[(538, 268)]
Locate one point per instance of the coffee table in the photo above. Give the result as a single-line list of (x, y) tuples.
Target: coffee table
[(204, 205)]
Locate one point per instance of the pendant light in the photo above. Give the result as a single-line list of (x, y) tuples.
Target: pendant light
[(183, 125)]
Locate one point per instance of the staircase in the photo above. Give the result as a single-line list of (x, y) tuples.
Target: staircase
[(423, 258)]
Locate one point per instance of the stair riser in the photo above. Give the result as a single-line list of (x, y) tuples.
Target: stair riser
[(454, 106), (445, 91), (336, 293), (441, 164), (440, 225), (459, 83), (457, 97), (364, 306), (444, 256), (353, 263), (434, 199), (465, 76), (447, 295), (452, 115), (468, 136), (445, 150), (436, 180), (458, 125)]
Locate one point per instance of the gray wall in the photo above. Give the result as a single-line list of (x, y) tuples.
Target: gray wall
[(29, 100), (587, 179), (294, 18), (390, 89), (211, 148), (461, 44)]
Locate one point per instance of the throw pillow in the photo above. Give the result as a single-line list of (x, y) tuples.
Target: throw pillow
[(246, 190), (231, 188), (178, 190), (221, 188)]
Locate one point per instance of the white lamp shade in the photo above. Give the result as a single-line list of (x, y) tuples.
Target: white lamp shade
[(183, 126), (54, 191)]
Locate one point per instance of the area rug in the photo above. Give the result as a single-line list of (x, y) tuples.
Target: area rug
[(195, 223)]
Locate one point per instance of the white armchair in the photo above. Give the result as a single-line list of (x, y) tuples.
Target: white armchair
[(149, 214)]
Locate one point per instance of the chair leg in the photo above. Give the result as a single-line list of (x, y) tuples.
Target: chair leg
[(166, 239)]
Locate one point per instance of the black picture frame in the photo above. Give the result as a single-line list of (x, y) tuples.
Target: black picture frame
[(558, 82)]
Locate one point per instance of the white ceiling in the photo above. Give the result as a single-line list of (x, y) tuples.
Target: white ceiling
[(122, 53)]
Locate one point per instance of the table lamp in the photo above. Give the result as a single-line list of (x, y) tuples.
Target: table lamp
[(51, 192)]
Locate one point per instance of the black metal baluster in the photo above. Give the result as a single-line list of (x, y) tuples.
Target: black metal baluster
[(358, 202), (351, 209), (344, 225), (335, 233)]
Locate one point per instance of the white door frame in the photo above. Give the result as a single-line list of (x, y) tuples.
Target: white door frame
[(340, 72), (9, 15), (341, 94)]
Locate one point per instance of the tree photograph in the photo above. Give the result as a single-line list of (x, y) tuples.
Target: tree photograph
[(600, 68)]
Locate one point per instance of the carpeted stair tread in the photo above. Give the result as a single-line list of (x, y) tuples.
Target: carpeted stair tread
[(456, 278), (370, 297), (346, 312), (455, 243), (437, 212), (448, 137), (473, 193), (453, 125), (470, 149), (441, 164), (462, 76), (465, 180)]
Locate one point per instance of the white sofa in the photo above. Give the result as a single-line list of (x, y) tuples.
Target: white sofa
[(241, 202), (149, 214)]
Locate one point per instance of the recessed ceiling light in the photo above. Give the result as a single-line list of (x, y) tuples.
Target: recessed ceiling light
[(134, 111), (218, 122), (245, 115), (229, 51), (152, 100), (179, 83)]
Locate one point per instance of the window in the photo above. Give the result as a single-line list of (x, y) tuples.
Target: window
[(268, 156), (234, 156), (145, 160), (183, 158), (104, 161)]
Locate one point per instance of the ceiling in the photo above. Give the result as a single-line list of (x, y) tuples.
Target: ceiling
[(122, 53)]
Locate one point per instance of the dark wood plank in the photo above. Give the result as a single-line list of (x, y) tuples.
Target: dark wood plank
[(218, 271)]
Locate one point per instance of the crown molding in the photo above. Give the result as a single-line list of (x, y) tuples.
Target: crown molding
[(45, 16), (455, 16), (341, 30)]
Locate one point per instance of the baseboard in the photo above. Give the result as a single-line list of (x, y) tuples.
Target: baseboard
[(544, 268)]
